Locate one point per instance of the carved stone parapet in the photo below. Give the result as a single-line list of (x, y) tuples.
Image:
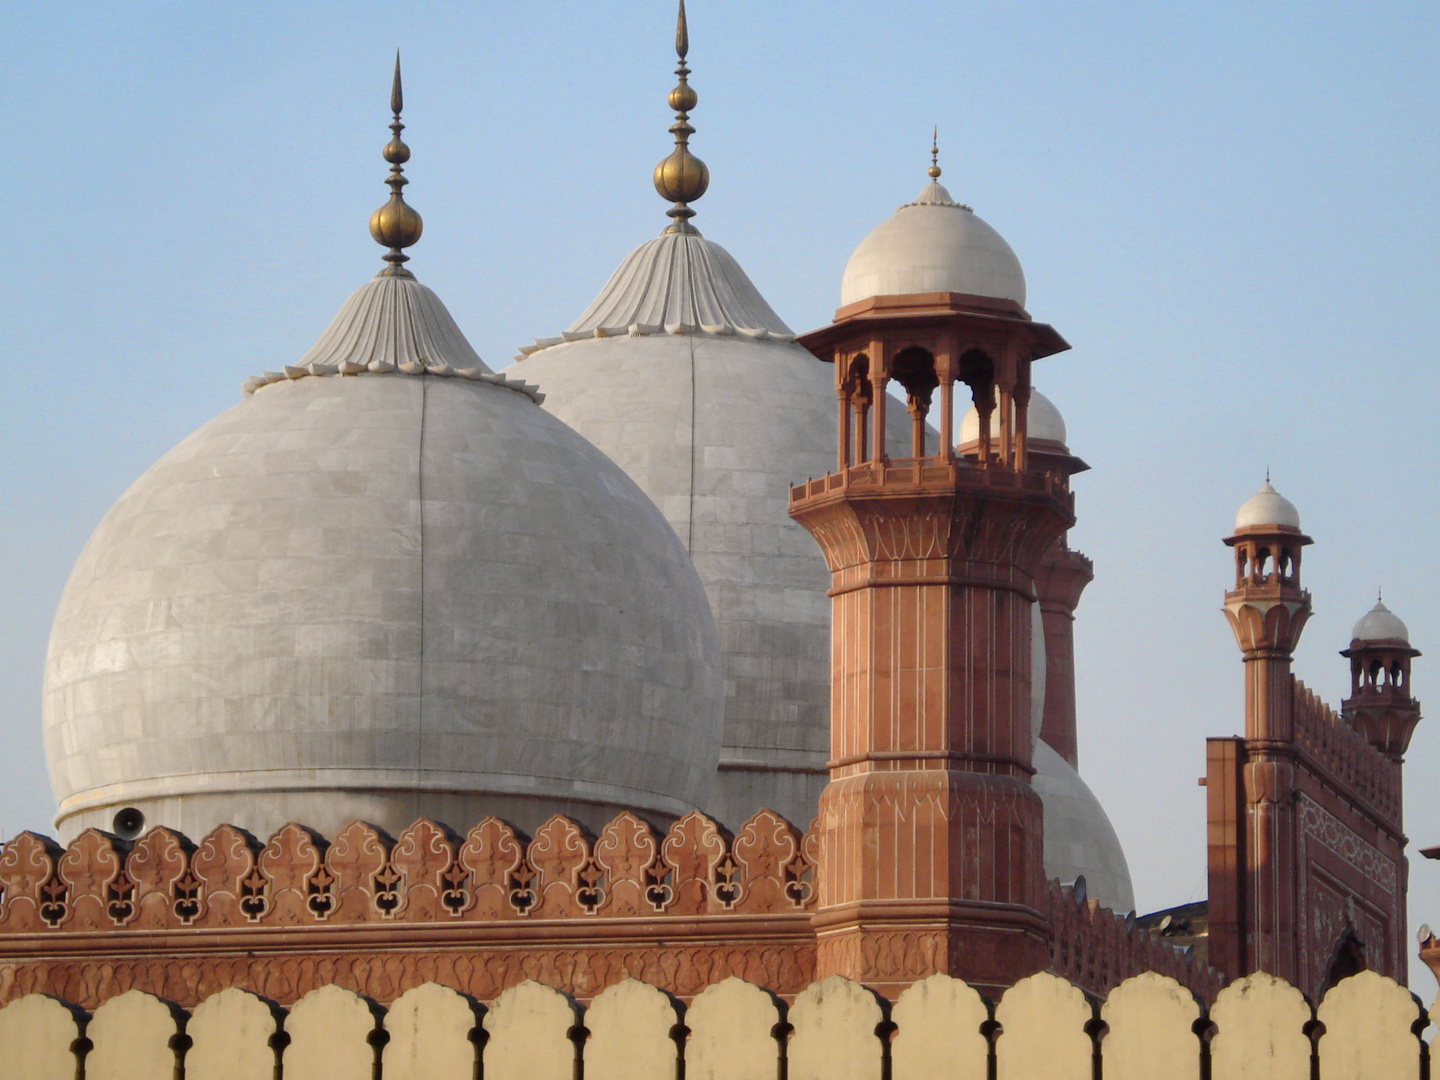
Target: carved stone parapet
[(430, 875), (1097, 949)]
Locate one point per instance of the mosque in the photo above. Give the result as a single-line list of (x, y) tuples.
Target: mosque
[(683, 646)]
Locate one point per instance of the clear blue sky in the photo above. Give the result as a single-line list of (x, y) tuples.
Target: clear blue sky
[(1228, 208)]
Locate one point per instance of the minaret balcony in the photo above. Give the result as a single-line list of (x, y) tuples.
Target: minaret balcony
[(929, 476)]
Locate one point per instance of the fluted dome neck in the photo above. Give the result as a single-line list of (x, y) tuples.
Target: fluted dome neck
[(1267, 507), (677, 283), (394, 319), (391, 325), (936, 194), (1380, 624)]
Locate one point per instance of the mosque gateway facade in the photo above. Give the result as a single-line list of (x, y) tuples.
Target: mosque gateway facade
[(405, 671)]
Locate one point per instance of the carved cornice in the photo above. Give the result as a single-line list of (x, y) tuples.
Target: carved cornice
[(428, 877), (983, 523)]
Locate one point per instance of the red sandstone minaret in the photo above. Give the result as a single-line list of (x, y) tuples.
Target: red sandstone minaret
[(1255, 917), (1268, 607), (931, 832), (1306, 853), (1064, 572)]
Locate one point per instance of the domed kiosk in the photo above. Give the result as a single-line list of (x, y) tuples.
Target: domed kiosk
[(385, 585)]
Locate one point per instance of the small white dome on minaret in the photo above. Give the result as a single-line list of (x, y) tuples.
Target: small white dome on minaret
[(1043, 423), (1267, 507), (1380, 624), (933, 245)]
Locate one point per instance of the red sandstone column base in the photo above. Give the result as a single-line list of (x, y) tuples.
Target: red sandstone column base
[(888, 945), (927, 871)]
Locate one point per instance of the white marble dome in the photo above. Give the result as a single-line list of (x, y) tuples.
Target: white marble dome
[(1380, 624), (933, 244), (1079, 838), (684, 375), (1044, 422), (403, 591), (1267, 507)]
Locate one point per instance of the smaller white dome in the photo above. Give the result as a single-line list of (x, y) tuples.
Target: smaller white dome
[(1380, 624), (1044, 422), (933, 244), (1267, 507), (1079, 838)]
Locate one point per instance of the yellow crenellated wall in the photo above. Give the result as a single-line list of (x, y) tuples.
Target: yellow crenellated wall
[(1043, 1028)]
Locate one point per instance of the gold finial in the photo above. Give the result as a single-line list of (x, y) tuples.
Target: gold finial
[(934, 169), (682, 177), (395, 225)]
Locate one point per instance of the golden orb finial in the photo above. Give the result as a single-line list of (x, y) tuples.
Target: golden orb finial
[(682, 177), (934, 169), (395, 225)]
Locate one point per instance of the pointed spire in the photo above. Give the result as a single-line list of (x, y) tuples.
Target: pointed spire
[(395, 225), (934, 169), (682, 177)]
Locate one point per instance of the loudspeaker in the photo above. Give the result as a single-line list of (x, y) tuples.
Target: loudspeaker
[(128, 824)]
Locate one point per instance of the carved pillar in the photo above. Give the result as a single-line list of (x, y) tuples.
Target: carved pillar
[(881, 381)]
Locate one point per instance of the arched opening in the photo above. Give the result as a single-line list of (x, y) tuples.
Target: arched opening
[(1262, 565), (857, 393), (1373, 674), (977, 371), (914, 369)]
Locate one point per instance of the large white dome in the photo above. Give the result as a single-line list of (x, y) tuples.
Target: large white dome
[(381, 595), (685, 377), (933, 244)]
